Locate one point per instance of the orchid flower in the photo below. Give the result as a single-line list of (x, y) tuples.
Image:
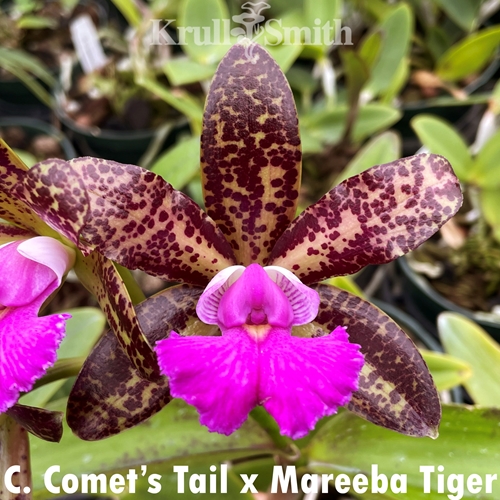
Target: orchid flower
[(284, 342)]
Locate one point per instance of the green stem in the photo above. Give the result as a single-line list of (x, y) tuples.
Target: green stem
[(14, 451), (283, 443), (64, 368), (134, 290)]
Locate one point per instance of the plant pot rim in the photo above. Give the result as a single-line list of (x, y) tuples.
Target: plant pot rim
[(43, 127), (426, 288)]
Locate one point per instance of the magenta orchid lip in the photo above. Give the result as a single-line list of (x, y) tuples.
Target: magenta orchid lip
[(257, 361)]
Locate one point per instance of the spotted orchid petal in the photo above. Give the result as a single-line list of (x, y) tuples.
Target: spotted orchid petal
[(129, 215), (42, 423), (256, 361), (371, 218), (9, 233), (251, 157), (109, 394), (396, 389), (28, 343), (12, 171)]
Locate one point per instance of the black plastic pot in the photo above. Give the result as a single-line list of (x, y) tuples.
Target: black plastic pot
[(426, 303), (35, 127)]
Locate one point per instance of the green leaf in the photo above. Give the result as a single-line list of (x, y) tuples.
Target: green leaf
[(129, 10), (284, 54), (381, 149), (489, 206), (486, 171), (468, 444), (180, 99), (36, 22), (82, 332), (28, 159), (202, 14), (326, 11), (447, 371), (183, 71), (469, 56), (439, 137), (179, 165), (370, 48), (328, 126), (396, 31), (346, 283), (463, 13), (465, 340), (398, 81), (172, 437), (356, 74)]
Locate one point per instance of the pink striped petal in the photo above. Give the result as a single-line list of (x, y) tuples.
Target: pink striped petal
[(304, 300), (208, 305), (29, 267), (22, 280), (217, 375), (49, 252), (305, 379)]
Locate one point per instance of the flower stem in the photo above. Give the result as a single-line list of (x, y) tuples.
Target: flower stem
[(283, 443), (14, 450)]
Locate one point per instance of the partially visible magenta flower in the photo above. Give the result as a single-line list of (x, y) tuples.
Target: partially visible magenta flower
[(257, 361), (30, 271)]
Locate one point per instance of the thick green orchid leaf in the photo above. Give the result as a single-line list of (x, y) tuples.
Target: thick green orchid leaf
[(371, 218), (466, 340), (251, 157), (100, 276), (396, 389), (44, 424), (447, 371), (138, 220), (8, 233), (109, 394), (470, 55), (468, 445), (439, 137), (56, 193), (12, 170)]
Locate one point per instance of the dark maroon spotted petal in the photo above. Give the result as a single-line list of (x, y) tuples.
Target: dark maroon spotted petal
[(109, 395), (42, 423), (141, 222), (57, 195), (371, 218), (12, 171), (396, 389), (100, 276), (251, 157)]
